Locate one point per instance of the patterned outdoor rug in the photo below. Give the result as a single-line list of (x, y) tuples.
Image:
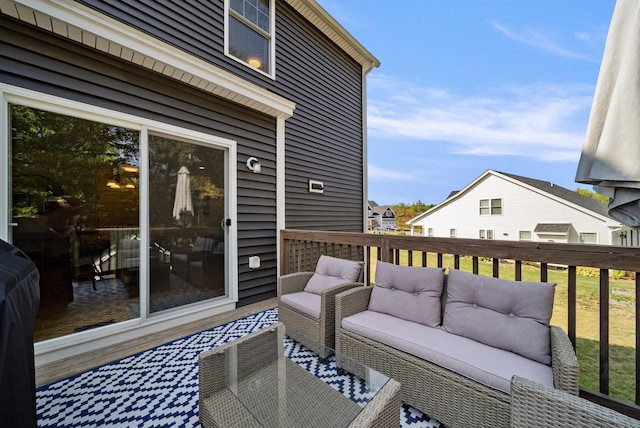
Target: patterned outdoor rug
[(159, 387)]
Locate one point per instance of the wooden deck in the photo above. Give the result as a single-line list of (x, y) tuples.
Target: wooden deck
[(52, 372)]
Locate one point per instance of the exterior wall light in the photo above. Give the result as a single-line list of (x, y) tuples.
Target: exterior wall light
[(254, 165)]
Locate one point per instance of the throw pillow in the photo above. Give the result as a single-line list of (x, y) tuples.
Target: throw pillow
[(331, 271), (410, 293), (510, 315)]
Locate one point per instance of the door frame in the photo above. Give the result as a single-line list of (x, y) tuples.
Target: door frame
[(65, 346)]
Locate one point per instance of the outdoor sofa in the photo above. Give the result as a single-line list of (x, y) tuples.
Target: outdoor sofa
[(537, 406), (454, 347), (306, 301)]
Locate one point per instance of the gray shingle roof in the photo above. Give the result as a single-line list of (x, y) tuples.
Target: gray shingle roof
[(564, 193), (552, 227)]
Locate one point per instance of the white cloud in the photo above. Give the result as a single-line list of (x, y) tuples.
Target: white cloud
[(544, 122), (375, 172), (541, 40)]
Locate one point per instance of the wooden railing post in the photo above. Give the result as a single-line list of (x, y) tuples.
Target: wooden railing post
[(604, 331)]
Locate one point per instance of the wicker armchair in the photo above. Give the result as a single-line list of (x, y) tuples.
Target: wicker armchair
[(535, 405), (308, 316)]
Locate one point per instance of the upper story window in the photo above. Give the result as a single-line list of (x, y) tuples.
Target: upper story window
[(249, 34), (491, 206), (388, 214), (430, 231), (452, 233)]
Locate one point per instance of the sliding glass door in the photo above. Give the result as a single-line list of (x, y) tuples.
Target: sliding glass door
[(186, 215), (76, 209)]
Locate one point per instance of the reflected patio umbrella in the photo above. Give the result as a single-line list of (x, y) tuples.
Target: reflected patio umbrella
[(610, 158), (183, 204)]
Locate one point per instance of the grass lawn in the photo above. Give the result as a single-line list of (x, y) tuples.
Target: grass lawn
[(622, 380)]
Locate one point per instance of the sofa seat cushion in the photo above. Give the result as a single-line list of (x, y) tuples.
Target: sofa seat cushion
[(511, 315), (307, 303), (410, 293), (487, 365), (332, 271)]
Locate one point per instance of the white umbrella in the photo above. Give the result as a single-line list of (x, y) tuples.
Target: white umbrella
[(183, 205), (610, 157)]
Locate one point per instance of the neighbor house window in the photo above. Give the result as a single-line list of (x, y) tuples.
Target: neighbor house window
[(452, 233), (588, 238), (525, 235), (491, 206), (486, 234), (430, 231), (250, 34)]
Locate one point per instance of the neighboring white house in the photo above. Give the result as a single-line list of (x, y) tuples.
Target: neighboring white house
[(504, 206), (381, 216)]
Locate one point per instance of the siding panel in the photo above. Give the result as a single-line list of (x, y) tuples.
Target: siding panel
[(36, 60), (323, 81)]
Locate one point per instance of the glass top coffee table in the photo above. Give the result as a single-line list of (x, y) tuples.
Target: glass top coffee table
[(251, 383)]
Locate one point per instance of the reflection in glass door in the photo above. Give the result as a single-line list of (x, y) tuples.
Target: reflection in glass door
[(75, 212), (186, 212)]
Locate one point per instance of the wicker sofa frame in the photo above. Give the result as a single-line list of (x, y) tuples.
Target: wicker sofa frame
[(449, 397), (536, 405), (316, 334)]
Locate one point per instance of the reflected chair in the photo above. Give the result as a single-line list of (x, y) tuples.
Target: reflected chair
[(192, 265), (306, 301)]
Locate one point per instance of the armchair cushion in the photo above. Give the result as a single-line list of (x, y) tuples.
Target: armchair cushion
[(479, 306), (307, 303), (331, 271), (409, 293)]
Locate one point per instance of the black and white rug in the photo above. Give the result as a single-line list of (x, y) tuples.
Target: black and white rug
[(159, 387)]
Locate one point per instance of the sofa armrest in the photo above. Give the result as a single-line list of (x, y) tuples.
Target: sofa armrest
[(564, 362), (330, 294), (351, 302), (532, 402), (293, 282)]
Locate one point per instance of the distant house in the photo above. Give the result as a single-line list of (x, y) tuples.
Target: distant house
[(504, 206), (381, 216)]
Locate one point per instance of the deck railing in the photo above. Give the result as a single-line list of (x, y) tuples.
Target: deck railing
[(301, 249)]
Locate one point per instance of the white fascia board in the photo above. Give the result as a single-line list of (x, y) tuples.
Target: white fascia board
[(91, 28), (321, 19)]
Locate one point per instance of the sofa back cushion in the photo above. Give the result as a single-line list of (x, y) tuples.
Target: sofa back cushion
[(510, 315), (410, 293), (331, 271)]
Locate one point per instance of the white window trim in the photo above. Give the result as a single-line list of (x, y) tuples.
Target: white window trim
[(272, 41), (486, 234), (595, 234), (520, 232), (65, 346), (490, 207)]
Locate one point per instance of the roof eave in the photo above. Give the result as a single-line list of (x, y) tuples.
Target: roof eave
[(326, 23)]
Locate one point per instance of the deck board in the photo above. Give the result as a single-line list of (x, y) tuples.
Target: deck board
[(57, 370)]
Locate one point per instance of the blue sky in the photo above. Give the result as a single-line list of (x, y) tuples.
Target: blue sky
[(470, 85)]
